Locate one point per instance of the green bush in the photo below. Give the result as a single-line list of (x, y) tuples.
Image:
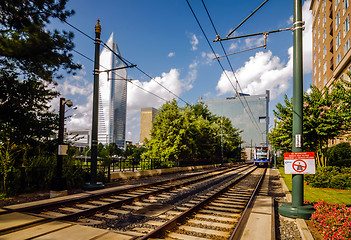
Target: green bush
[(340, 181), (330, 177), (340, 155)]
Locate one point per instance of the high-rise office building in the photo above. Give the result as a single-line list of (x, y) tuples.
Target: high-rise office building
[(331, 40), (147, 117), (254, 128), (112, 97)]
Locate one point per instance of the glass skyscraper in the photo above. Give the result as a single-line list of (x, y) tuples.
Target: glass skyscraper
[(112, 97), (254, 134)]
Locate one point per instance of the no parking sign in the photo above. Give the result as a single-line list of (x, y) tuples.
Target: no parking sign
[(299, 163)]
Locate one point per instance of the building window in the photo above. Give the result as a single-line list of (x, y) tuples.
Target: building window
[(346, 25), (262, 119), (315, 70), (338, 59), (319, 62), (325, 81), (337, 20), (324, 19), (347, 45), (324, 67), (336, 4), (324, 35), (337, 41), (324, 3), (324, 51), (346, 5)]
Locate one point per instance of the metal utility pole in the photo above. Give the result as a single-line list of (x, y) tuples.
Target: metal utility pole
[(296, 209), (275, 152), (93, 185)]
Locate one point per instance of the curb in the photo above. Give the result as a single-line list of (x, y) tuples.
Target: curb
[(301, 223)]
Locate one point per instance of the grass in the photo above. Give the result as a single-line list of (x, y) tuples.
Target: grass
[(315, 194)]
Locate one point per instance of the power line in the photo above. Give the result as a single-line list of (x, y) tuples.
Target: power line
[(231, 67), (126, 62), (219, 62), (121, 78), (151, 78)]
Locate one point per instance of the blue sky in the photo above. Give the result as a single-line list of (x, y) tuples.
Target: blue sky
[(163, 39)]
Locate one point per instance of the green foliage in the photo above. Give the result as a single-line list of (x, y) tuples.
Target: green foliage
[(189, 134), (31, 56), (326, 116), (330, 177), (340, 155), (8, 154)]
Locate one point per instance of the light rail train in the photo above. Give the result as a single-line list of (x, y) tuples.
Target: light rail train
[(261, 156)]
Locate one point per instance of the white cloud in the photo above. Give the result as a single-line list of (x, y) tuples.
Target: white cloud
[(137, 98), (194, 64), (233, 46), (265, 71), (254, 42), (208, 57), (194, 42), (261, 72), (171, 54)]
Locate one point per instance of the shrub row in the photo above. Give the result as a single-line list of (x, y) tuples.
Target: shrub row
[(330, 177)]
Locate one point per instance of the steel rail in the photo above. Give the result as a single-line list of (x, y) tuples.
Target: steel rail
[(244, 216), (106, 193), (118, 203), (161, 231)]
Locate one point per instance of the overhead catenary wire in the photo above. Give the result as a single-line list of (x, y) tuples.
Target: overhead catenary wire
[(219, 62), (126, 62), (231, 67), (121, 78)]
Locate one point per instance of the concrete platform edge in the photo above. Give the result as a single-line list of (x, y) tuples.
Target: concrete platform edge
[(301, 223)]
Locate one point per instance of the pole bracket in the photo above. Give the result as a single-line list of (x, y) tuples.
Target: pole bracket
[(296, 26)]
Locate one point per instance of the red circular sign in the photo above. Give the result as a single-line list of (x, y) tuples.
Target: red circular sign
[(299, 165)]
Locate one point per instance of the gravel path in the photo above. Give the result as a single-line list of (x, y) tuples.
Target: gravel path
[(286, 228)]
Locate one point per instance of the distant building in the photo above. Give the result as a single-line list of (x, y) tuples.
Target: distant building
[(112, 97), (147, 117), (79, 138), (254, 134)]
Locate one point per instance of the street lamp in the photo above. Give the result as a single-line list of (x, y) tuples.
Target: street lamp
[(58, 182), (93, 184)]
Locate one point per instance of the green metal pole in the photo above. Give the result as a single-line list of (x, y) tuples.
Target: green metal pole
[(275, 152), (296, 209), (94, 131), (297, 179)]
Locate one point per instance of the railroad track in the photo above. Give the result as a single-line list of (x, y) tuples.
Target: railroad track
[(117, 209), (218, 215)]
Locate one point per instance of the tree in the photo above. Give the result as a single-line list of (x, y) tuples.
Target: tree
[(326, 116), (30, 59), (189, 134)]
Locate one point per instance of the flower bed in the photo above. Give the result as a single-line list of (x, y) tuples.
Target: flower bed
[(333, 221)]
